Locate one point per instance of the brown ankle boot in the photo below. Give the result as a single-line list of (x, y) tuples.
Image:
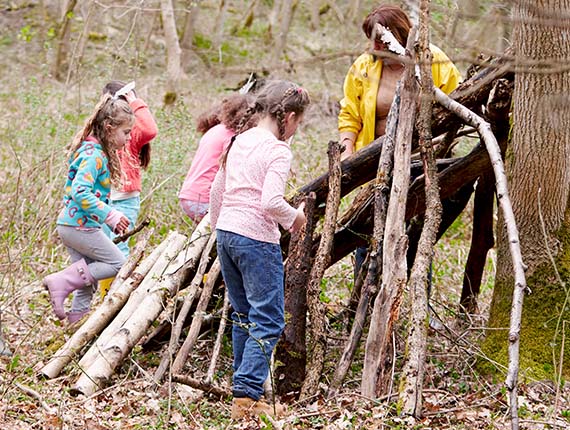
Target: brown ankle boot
[(242, 406)]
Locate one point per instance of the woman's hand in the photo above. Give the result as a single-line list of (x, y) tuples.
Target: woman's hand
[(300, 219)]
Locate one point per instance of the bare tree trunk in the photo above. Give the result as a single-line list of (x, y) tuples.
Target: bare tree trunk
[(189, 28), (317, 310), (354, 8), (218, 30), (377, 358), (285, 17), (291, 350), (314, 9), (274, 17), (411, 383), (173, 52), (63, 35)]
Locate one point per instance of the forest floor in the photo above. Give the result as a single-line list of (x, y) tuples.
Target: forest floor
[(40, 115)]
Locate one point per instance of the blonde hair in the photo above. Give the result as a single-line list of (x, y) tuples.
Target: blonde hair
[(109, 111)]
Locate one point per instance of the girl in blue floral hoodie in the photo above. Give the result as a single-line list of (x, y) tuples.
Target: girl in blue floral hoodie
[(93, 166)]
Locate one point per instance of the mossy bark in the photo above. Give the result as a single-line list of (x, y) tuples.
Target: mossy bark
[(544, 311), (537, 165)]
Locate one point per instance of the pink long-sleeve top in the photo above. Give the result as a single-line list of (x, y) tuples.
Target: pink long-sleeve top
[(247, 196), (205, 164)]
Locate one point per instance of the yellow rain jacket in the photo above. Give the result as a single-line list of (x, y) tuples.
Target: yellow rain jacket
[(358, 107)]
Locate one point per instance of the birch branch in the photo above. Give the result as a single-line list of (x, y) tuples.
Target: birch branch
[(519, 267)]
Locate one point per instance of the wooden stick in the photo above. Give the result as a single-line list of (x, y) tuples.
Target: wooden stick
[(317, 309), (519, 267), (194, 331), (386, 306), (219, 338), (412, 378), (132, 232), (370, 287), (291, 350), (208, 388)]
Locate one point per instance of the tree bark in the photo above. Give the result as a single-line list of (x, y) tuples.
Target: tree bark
[(174, 71), (63, 32), (411, 383), (377, 357), (292, 349), (537, 169), (317, 309), (186, 44)]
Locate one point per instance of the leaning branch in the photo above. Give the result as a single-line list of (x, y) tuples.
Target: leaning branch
[(494, 151)]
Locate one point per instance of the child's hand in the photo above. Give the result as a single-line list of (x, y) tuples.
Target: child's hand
[(130, 96), (300, 219), (122, 225)]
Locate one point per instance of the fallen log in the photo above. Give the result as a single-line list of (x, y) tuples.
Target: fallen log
[(175, 242), (111, 305), (110, 355)]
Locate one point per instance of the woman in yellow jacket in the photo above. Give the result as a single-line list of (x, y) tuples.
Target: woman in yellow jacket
[(370, 84)]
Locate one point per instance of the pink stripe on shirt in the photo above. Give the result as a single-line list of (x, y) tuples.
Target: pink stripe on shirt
[(247, 196)]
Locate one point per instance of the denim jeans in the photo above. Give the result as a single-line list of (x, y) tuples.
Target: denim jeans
[(130, 208), (253, 273)]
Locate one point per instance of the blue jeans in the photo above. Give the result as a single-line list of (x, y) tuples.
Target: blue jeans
[(253, 273), (130, 208)]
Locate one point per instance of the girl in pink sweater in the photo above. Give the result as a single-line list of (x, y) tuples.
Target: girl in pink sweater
[(246, 208), (218, 127)]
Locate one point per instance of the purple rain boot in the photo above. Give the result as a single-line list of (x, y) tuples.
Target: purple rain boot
[(63, 283), (74, 316)]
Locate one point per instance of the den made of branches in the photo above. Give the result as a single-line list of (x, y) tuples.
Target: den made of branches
[(411, 192)]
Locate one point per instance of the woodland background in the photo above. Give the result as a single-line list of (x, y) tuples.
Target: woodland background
[(45, 94)]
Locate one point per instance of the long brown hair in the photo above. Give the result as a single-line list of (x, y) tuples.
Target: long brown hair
[(109, 111), (391, 17), (276, 99), (112, 87)]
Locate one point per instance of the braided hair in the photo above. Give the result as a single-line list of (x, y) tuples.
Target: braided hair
[(276, 99), (109, 111)]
